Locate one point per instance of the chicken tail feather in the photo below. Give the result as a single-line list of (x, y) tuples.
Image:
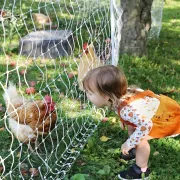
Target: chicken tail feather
[(10, 93), (11, 97)]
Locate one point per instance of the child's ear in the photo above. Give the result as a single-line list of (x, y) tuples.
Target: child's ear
[(106, 97)]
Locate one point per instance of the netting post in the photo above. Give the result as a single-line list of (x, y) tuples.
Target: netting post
[(112, 31), (156, 16)]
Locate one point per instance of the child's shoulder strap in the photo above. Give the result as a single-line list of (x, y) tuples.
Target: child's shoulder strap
[(143, 93), (139, 95)]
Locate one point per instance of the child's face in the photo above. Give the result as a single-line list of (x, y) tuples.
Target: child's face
[(98, 99)]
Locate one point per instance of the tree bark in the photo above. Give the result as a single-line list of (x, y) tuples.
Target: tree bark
[(136, 25)]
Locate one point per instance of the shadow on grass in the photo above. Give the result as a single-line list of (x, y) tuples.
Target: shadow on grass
[(56, 152)]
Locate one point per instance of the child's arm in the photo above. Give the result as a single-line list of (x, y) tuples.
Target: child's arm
[(143, 127), (139, 113)]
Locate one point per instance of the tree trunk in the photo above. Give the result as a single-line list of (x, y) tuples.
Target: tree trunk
[(136, 24)]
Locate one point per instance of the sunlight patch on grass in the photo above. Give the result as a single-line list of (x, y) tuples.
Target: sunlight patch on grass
[(175, 21), (171, 4), (73, 108), (67, 16)]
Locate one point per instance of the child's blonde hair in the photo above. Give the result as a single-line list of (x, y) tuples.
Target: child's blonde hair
[(107, 80)]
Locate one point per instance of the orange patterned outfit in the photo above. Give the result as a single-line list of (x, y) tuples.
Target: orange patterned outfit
[(150, 114)]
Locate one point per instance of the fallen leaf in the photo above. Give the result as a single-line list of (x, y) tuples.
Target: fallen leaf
[(24, 172), (30, 90), (13, 64), (1, 169), (155, 153), (2, 129), (61, 95), (104, 138), (23, 71), (113, 120), (75, 73), (70, 75), (19, 154), (34, 171), (105, 119), (73, 150), (32, 83)]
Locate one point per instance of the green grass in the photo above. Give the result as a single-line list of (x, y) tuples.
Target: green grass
[(76, 120), (159, 72)]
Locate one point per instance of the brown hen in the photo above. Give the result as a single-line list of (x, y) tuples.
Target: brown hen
[(29, 118)]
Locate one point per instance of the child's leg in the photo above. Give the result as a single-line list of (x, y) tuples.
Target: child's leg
[(143, 152), (142, 157)]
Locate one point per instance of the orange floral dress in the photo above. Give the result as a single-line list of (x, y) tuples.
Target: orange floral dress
[(154, 115)]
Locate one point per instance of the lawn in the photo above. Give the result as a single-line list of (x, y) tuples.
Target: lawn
[(57, 77), (160, 72)]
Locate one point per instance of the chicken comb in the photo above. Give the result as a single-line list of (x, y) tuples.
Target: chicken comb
[(48, 98), (85, 47)]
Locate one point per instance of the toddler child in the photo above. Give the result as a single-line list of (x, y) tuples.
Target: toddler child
[(145, 114)]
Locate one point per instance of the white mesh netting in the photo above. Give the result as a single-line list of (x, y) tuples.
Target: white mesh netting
[(156, 18), (45, 118), (47, 46)]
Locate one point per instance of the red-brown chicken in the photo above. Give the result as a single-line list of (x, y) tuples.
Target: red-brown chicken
[(28, 118)]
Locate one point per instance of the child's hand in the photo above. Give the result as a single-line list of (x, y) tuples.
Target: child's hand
[(125, 148)]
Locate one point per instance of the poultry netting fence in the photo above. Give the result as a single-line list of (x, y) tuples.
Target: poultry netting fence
[(47, 46), (45, 117)]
